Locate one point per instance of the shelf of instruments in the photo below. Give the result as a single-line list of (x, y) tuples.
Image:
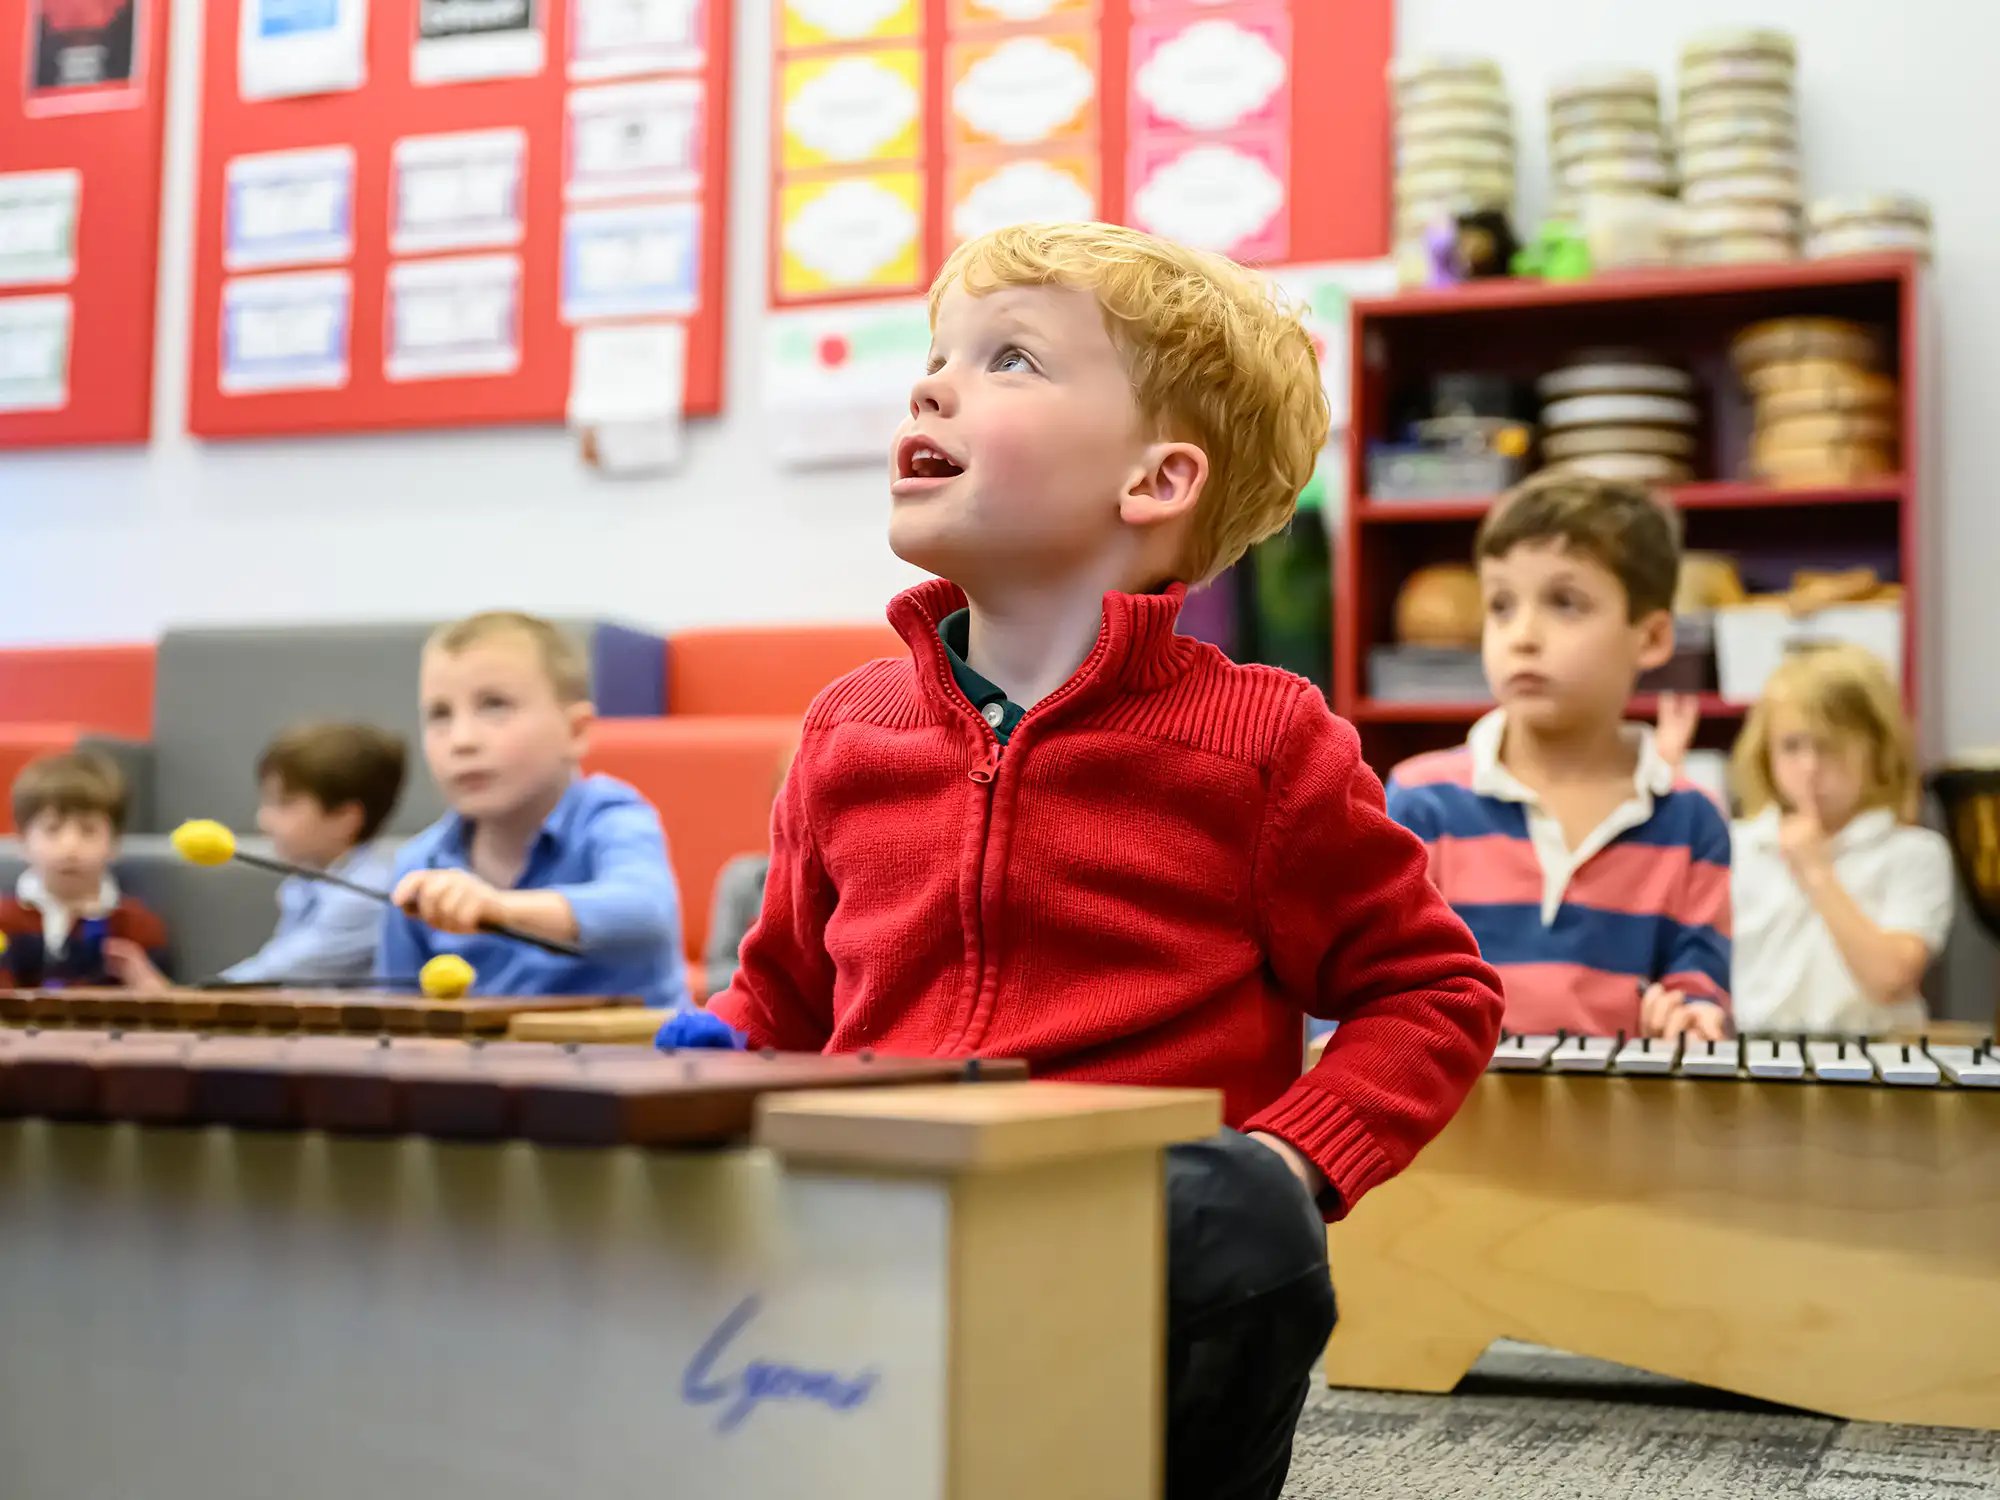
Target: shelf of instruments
[(1523, 328)]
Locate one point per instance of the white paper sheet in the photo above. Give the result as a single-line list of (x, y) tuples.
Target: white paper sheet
[(631, 262), (38, 216), (1322, 293), (622, 38), (837, 380), (288, 208), (285, 332), (631, 140), (461, 40), (628, 372), (453, 317), (290, 47), (626, 391), (457, 192), (34, 353)]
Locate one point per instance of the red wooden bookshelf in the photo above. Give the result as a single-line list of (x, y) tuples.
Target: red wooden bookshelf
[(1523, 328)]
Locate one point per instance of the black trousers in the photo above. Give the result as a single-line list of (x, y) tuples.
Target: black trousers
[(1249, 1310)]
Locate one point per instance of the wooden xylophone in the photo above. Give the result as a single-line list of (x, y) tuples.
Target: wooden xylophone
[(446, 1089), (499, 1270), (1809, 1220), (285, 1010)]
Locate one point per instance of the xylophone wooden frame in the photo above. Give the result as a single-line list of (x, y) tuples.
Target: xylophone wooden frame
[(1831, 1246), (483, 1315), (281, 1010)]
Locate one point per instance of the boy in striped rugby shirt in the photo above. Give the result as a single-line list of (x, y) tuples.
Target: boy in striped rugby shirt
[(1595, 880)]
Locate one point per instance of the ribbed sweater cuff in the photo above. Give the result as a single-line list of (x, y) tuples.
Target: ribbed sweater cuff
[(1326, 1130)]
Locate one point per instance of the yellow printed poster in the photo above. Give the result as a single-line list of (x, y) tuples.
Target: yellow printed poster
[(821, 23), (850, 109), (1028, 90), (850, 234)]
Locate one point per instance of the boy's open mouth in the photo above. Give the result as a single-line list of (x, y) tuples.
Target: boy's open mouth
[(920, 458)]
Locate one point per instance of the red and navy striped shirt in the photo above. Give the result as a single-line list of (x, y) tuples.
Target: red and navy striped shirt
[(1575, 948)]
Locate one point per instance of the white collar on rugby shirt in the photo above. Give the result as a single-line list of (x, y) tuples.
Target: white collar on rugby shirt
[(56, 917), (1652, 777)]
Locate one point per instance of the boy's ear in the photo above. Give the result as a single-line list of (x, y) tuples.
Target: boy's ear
[(581, 717), (353, 816), (1166, 486), (1656, 640)]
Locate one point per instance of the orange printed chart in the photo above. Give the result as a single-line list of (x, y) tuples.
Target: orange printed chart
[(1254, 127), (900, 128)]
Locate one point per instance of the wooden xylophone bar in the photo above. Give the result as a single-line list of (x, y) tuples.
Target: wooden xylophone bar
[(1919, 1063), (444, 1089), (353, 1011)]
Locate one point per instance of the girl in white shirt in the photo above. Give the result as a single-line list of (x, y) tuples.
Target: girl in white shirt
[(1841, 901)]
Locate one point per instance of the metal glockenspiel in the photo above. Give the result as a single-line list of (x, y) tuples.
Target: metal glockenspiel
[(1813, 1220), (1913, 1063)]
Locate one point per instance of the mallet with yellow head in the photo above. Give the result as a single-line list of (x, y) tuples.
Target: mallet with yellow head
[(204, 841)]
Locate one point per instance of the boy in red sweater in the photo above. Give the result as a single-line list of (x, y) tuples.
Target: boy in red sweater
[(1059, 831)]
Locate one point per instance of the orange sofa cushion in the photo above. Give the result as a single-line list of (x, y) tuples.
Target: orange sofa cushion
[(712, 779), (767, 669), (21, 743), (106, 689)]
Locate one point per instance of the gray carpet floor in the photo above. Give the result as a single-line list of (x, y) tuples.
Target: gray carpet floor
[(1531, 1424)]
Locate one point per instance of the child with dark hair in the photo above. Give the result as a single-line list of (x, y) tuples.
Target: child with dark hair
[(67, 922)]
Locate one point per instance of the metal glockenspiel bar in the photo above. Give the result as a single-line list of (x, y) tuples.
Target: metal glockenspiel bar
[(1759, 1058)]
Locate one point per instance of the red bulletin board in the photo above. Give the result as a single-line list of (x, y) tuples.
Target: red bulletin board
[(110, 134), (1270, 119), (390, 107)]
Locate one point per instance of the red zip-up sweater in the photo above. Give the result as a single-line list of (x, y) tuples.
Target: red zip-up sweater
[(1173, 858)]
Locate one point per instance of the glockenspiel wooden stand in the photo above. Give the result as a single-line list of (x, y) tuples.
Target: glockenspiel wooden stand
[(234, 1267), (1811, 1224)]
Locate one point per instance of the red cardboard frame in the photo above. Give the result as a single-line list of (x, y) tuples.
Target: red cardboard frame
[(115, 139), (389, 106), (1338, 203)]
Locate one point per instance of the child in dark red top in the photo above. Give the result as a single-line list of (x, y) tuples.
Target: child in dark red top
[(1059, 831), (66, 922)]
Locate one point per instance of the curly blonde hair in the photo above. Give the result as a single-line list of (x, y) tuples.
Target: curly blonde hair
[(1844, 694), (1216, 358)]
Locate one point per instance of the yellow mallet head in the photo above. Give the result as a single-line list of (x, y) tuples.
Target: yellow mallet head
[(203, 841), (446, 977)]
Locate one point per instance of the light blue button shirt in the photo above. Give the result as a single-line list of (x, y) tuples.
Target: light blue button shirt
[(323, 932), (602, 850)]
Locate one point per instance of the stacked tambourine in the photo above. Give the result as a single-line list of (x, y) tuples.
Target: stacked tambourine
[(1620, 414), (1454, 140), (1867, 224), (1825, 414), (1739, 139), (1606, 137)]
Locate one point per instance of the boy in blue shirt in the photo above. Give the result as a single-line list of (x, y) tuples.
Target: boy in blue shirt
[(529, 842), (323, 793)]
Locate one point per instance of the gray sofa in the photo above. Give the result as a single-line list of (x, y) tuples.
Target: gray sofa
[(219, 697)]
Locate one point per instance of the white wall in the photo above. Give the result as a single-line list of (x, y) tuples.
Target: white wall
[(114, 545)]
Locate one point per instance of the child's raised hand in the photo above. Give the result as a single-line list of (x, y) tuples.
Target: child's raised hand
[(1668, 1013), (130, 966), (450, 900), (1680, 717), (1803, 841)]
